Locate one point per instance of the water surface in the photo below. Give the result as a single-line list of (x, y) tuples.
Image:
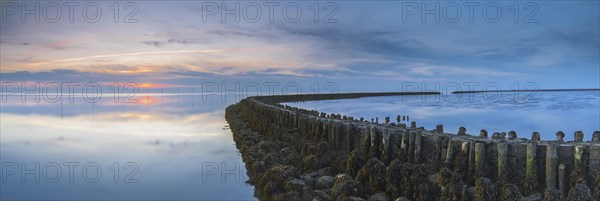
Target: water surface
[(523, 112), (165, 147)]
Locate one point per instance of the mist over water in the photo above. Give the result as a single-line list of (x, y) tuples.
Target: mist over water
[(523, 112)]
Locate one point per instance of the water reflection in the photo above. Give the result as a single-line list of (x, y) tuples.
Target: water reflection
[(545, 112), (166, 147)]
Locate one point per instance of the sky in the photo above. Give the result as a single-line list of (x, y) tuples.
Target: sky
[(357, 45)]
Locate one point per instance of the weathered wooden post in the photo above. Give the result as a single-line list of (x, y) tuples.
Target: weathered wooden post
[(439, 128), (339, 136), (578, 136), (502, 161), (530, 162), (596, 137), (535, 136), (385, 141), (559, 137), (483, 133), (413, 124), (450, 151), (417, 157), (578, 157), (465, 151), (411, 145), (561, 178), (350, 137), (462, 131), (512, 135), (496, 135), (551, 163), (479, 159)]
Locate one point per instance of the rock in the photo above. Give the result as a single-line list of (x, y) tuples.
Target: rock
[(323, 148), (350, 198), (309, 180), (292, 195), (452, 184), (324, 182), (580, 193), (394, 178), (552, 195), (343, 184), (307, 193), (355, 162), (379, 197), (273, 179), (422, 189), (372, 174), (294, 185), (322, 196), (324, 171), (328, 191), (510, 192), (269, 146), (402, 199), (289, 157), (485, 190), (311, 162)]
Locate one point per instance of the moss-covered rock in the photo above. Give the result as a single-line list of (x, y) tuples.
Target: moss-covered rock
[(485, 190)]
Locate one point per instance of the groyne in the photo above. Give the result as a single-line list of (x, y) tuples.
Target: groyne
[(296, 154)]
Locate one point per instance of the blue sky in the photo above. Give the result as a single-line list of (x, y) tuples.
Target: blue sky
[(370, 46)]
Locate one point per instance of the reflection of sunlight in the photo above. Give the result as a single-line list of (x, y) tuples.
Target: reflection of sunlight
[(112, 124), (148, 100)]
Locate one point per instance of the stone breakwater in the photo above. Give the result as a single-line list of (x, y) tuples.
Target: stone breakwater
[(296, 154)]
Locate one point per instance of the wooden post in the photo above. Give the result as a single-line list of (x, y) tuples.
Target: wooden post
[(512, 135), (450, 151), (439, 128), (479, 159), (483, 133), (578, 136), (339, 136), (559, 137), (530, 163), (349, 137), (411, 146), (462, 131), (418, 137), (551, 161), (385, 141), (535, 136), (502, 161), (561, 178), (596, 137)]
